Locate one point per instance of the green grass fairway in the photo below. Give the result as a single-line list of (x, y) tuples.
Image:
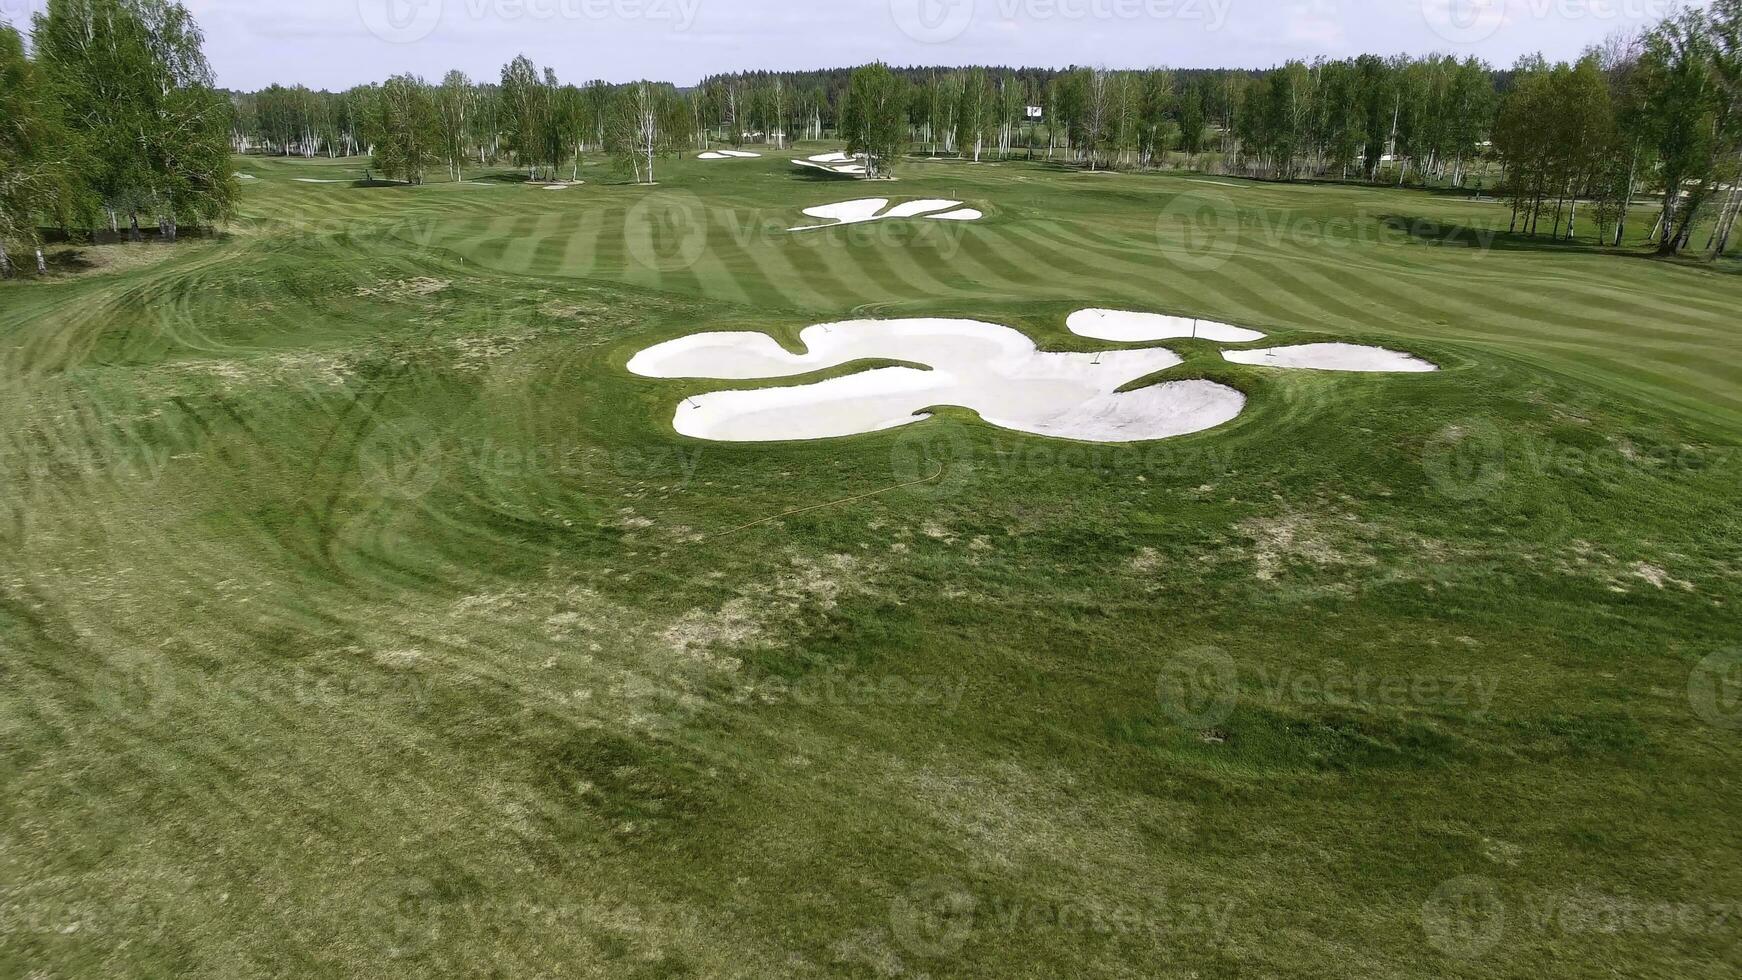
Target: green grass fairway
[(361, 616)]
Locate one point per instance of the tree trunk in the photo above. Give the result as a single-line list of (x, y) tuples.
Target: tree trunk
[(41, 263), (1627, 204), (1729, 221), (5, 264)]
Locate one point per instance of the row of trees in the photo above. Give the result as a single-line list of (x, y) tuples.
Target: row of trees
[(1663, 109), (112, 112)]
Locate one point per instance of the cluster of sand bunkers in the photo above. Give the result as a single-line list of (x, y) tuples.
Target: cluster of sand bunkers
[(990, 369), (835, 163)]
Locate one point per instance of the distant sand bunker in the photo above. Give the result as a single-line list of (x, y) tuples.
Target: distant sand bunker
[(872, 209), (726, 155)]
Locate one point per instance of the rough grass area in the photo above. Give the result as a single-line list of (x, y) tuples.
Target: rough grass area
[(361, 616)]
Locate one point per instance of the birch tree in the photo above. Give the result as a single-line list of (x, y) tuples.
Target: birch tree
[(874, 117), (139, 99), (455, 102), (37, 162), (644, 118)]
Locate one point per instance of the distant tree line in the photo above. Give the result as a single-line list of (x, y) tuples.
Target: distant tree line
[(112, 113)]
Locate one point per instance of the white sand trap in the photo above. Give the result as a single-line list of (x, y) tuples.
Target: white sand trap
[(990, 369), (556, 187), (835, 163), (872, 209), (1129, 328), (1331, 357), (248, 177), (319, 180), (1218, 183), (729, 155)]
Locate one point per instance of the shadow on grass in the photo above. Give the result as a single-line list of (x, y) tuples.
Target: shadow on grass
[(1430, 231)]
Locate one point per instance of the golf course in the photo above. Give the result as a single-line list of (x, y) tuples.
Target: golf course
[(364, 614)]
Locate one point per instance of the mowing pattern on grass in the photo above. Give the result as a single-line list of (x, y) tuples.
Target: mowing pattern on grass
[(360, 616)]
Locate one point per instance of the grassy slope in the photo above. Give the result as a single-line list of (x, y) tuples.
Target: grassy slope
[(361, 616)]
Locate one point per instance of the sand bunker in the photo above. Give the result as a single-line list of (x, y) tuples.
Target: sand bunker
[(319, 180), (872, 209), (727, 155), (990, 369), (835, 163), (1128, 327), (247, 176), (1332, 357)]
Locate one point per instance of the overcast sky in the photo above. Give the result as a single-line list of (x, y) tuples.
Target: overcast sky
[(338, 43)]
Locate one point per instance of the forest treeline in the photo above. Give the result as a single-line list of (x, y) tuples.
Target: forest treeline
[(111, 113)]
